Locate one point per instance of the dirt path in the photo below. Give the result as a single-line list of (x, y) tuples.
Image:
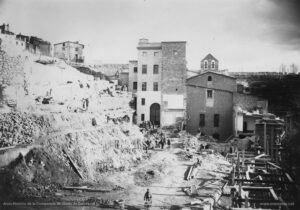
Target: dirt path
[(167, 190)]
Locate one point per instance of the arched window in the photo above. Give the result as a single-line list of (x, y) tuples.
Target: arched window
[(213, 64), (205, 64), (209, 78)]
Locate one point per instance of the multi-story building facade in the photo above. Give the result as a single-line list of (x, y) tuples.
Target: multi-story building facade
[(69, 51), (210, 101), (157, 81)]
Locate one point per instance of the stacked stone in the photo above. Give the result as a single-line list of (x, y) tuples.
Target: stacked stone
[(18, 128)]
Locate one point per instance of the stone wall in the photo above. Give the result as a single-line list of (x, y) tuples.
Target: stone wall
[(223, 88), (174, 67)]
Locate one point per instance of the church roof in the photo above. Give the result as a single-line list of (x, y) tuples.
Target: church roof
[(209, 57), (213, 72)]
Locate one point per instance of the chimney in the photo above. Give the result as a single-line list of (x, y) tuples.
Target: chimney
[(7, 27)]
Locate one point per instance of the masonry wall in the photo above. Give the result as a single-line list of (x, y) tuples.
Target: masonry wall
[(69, 51), (222, 105), (173, 81), (248, 102), (150, 96)]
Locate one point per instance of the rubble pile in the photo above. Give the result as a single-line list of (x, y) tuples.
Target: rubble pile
[(111, 147), (36, 175), (20, 128), (195, 141), (151, 174)]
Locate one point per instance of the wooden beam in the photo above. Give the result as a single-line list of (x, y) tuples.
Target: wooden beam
[(262, 181), (272, 142), (255, 188), (190, 171), (85, 188), (289, 178), (259, 156), (265, 138), (6, 148), (274, 165), (274, 194), (73, 165)]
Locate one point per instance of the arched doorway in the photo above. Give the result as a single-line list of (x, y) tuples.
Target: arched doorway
[(155, 114)]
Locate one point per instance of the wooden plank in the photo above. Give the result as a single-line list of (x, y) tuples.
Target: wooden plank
[(274, 165), (289, 177), (255, 188), (265, 138), (190, 171), (274, 194), (6, 148), (73, 165), (85, 188), (259, 156), (262, 181), (272, 142)]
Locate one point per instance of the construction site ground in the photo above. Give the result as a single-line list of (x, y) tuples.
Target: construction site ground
[(163, 171)]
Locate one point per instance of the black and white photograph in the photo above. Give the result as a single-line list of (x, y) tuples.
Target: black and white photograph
[(150, 104)]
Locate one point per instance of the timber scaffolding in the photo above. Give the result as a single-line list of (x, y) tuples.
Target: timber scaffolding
[(256, 182)]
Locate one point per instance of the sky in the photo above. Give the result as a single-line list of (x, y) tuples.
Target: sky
[(244, 35)]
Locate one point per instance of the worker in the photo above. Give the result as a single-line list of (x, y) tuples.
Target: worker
[(162, 140), (199, 162), (148, 197), (169, 142)]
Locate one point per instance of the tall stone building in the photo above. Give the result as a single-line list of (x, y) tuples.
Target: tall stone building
[(157, 81), (210, 101)]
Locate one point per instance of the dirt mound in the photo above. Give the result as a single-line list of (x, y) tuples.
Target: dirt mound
[(37, 175), (151, 174)]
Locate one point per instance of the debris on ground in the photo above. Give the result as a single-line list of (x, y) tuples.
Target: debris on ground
[(20, 128), (38, 174), (150, 174)]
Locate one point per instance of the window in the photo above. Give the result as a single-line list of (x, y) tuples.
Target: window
[(216, 120), (175, 52), (155, 69), (144, 54), (144, 69), (142, 117), (144, 86), (213, 64), (135, 69), (240, 88), (205, 64), (134, 85), (17, 43), (155, 86), (209, 94), (76, 49), (155, 53), (209, 78), (202, 120), (134, 102), (143, 101)]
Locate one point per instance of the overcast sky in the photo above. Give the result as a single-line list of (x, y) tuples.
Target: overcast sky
[(244, 35)]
